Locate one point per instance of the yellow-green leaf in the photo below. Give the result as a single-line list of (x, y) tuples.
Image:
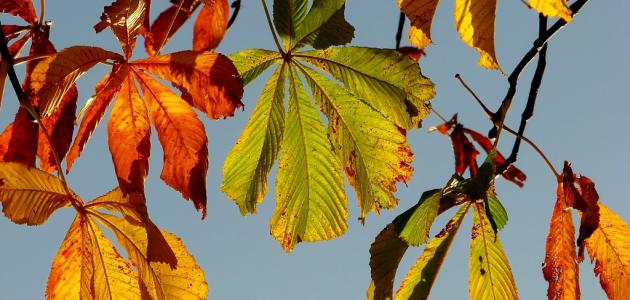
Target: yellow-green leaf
[(420, 278), (252, 62), (474, 20), (552, 8), (311, 203), (29, 195), (609, 246), (247, 165), (414, 224), (490, 273)]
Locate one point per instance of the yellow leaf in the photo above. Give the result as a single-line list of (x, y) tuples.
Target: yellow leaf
[(609, 246), (420, 13), (474, 20), (552, 8), (561, 266), (29, 195), (88, 266)]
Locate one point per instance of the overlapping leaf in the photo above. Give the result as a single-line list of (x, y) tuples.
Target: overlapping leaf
[(125, 18), (210, 25), (553, 8)]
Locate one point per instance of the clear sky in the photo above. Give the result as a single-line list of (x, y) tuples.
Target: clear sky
[(581, 116)]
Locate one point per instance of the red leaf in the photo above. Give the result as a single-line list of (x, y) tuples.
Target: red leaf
[(412, 52), (159, 28), (18, 142), (464, 150), (60, 126), (210, 25), (19, 8)]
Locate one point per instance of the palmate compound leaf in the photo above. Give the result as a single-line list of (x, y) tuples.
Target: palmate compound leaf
[(490, 273), (125, 18), (419, 280), (28, 195), (560, 267), (608, 247)]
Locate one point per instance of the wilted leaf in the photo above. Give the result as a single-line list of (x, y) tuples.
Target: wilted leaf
[(311, 202), (208, 81), (420, 13), (419, 280), (474, 20), (56, 74), (125, 18), (490, 273), (28, 195), (560, 267), (210, 25), (552, 8), (585, 200), (609, 247), (183, 139)]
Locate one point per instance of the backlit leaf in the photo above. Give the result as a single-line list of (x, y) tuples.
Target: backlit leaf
[(496, 210), (56, 74), (474, 20), (560, 267), (28, 195), (208, 81), (129, 135), (385, 255), (183, 139), (163, 28), (490, 273), (609, 247), (420, 13), (374, 152), (320, 13), (415, 223), (311, 201), (247, 165), (387, 80), (18, 141), (210, 25), (419, 280), (552, 8), (20, 8), (335, 32), (60, 127), (125, 18), (250, 63), (288, 16)]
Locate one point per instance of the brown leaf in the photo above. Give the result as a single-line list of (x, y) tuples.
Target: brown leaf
[(208, 81), (584, 200), (420, 13), (129, 137), (20, 8), (183, 139), (210, 25), (560, 268), (385, 255), (125, 18)]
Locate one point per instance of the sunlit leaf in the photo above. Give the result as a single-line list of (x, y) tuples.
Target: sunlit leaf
[(288, 16), (18, 141), (208, 81), (164, 26), (183, 139), (560, 267), (335, 32), (553, 8), (419, 280), (420, 13), (250, 63), (474, 21), (415, 223), (210, 25), (320, 13), (28, 195), (125, 18), (490, 273), (56, 74), (129, 135), (20, 8), (609, 247), (311, 201), (387, 80), (60, 127), (496, 210), (247, 165), (385, 255)]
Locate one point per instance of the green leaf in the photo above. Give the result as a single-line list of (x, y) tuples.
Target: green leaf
[(490, 273), (497, 213), (311, 201), (420, 278), (374, 152), (288, 16), (247, 165), (320, 13), (337, 31), (415, 223), (250, 63), (387, 80)]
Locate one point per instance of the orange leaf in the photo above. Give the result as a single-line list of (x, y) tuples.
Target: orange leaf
[(60, 127), (19, 8), (609, 245), (560, 268), (94, 111), (209, 81), (183, 139), (125, 18), (160, 26), (129, 137), (55, 75), (18, 142), (420, 13), (210, 25), (584, 200)]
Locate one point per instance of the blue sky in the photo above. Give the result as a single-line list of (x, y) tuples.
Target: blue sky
[(580, 116)]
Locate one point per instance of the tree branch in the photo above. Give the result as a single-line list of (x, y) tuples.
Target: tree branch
[(401, 25), (236, 5), (499, 116)]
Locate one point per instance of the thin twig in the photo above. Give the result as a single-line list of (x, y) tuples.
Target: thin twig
[(471, 92), (236, 5), (528, 112), (401, 25), (271, 28), (42, 11), (170, 27), (23, 99), (437, 114), (499, 116)]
